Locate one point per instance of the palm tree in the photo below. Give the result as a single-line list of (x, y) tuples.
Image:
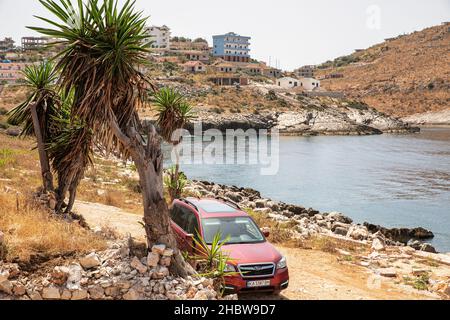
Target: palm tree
[(105, 45), (36, 112), (174, 112), (59, 138), (70, 152)]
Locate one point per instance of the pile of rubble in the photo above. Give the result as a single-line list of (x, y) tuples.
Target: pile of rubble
[(109, 275)]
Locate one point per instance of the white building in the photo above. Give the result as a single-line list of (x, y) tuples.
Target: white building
[(288, 82), (309, 84), (160, 37)]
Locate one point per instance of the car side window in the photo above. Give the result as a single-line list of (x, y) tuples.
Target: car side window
[(191, 223), (185, 219), (176, 214)]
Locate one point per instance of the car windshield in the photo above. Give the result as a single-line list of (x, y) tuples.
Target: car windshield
[(238, 230)]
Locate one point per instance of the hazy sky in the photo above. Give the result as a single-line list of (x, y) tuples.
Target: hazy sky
[(293, 32)]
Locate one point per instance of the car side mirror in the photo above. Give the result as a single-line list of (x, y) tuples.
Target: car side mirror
[(265, 232)]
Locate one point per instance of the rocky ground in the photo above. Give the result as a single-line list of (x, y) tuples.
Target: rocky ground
[(119, 273), (403, 76), (430, 118)]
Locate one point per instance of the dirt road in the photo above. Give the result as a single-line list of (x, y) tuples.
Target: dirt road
[(315, 275)]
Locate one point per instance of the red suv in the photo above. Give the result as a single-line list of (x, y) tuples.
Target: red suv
[(259, 265)]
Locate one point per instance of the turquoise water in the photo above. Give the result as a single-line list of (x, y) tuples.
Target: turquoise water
[(392, 180)]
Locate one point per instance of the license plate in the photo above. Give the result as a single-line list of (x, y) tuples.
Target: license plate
[(258, 283)]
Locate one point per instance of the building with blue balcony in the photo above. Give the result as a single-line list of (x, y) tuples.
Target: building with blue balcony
[(232, 47)]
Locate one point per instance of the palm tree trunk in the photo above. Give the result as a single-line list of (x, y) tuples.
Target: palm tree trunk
[(47, 177), (149, 164)]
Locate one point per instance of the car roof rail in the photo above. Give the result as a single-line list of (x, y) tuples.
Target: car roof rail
[(228, 201), (189, 203)]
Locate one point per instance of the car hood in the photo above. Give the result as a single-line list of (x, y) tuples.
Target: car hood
[(252, 253)]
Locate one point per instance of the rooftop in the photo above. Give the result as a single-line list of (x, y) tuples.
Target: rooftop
[(231, 34), (208, 207)]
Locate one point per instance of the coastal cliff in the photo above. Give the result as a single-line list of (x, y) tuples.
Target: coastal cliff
[(305, 117)]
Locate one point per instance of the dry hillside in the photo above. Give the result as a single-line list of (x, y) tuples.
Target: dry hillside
[(402, 76)]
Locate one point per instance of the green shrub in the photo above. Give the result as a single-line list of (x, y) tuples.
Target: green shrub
[(211, 261), (175, 183)]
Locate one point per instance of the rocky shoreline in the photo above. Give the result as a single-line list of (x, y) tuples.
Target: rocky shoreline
[(309, 122), (308, 117), (439, 118), (310, 222)]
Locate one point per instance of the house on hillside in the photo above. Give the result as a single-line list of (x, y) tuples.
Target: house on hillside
[(34, 43), (271, 72), (226, 67), (195, 55), (309, 84), (160, 37), (231, 80), (11, 72), (6, 45), (305, 72), (253, 69), (194, 67), (288, 83), (232, 47)]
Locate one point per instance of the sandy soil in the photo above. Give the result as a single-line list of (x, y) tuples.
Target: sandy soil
[(315, 275)]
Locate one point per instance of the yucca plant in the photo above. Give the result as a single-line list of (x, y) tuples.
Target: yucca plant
[(106, 44), (70, 151), (212, 261), (35, 114), (174, 112)]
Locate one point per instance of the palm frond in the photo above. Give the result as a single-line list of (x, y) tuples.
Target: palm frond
[(173, 112), (40, 79), (104, 47)]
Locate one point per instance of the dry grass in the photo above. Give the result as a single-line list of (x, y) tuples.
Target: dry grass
[(31, 230), (401, 77), (19, 164), (12, 95), (20, 171)]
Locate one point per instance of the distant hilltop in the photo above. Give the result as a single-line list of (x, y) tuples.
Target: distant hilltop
[(402, 76)]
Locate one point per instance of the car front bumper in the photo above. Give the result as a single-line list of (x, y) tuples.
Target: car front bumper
[(237, 284)]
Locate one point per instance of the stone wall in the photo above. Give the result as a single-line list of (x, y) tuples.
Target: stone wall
[(109, 275)]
